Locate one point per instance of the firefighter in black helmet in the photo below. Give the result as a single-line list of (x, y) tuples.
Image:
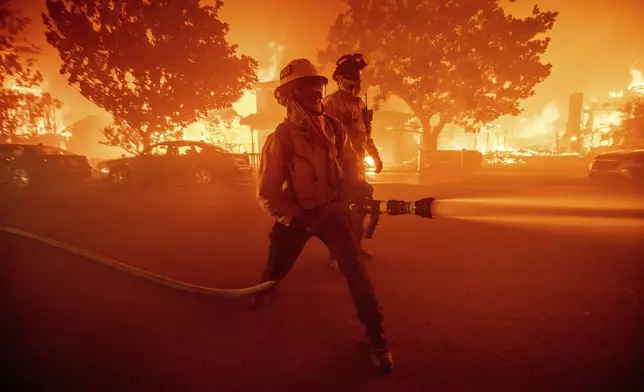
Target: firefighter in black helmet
[(346, 105)]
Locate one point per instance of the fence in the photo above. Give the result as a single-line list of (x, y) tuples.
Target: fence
[(254, 159), (441, 159), (450, 159)]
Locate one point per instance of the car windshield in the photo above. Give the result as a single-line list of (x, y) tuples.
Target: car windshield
[(49, 150), (214, 147)]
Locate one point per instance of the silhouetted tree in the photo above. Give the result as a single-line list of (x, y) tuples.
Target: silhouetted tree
[(11, 117), (218, 128), (156, 66), (49, 108), (452, 61), (17, 56), (27, 113)]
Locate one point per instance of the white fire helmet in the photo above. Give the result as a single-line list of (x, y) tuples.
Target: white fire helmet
[(295, 70)]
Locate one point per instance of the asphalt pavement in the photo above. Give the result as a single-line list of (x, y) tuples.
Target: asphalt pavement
[(539, 296)]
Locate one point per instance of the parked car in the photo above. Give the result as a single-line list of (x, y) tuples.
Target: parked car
[(197, 163), (626, 164), (23, 165)]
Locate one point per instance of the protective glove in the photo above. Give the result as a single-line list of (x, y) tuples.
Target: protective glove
[(378, 163)]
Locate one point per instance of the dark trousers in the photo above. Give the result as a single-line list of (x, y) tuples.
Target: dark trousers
[(357, 221), (287, 242), (357, 225)]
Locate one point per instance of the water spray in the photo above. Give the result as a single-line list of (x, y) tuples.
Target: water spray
[(495, 207)]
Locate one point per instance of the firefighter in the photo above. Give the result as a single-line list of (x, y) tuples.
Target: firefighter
[(345, 104), (305, 166)]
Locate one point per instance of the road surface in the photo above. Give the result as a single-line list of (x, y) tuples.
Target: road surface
[(523, 301)]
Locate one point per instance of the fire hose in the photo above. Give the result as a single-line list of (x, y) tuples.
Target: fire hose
[(207, 291), (372, 207)]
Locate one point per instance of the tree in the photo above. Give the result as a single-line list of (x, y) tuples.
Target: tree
[(16, 55), (631, 130), (17, 58), (156, 66), (25, 113), (452, 61), (49, 108), (10, 117), (218, 128), (132, 140)]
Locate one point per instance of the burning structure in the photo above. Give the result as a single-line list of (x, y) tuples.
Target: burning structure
[(242, 129), (266, 117), (31, 115), (596, 126)]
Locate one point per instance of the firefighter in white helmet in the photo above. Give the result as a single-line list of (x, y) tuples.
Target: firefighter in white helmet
[(346, 105), (306, 165)]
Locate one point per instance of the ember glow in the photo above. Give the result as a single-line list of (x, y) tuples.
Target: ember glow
[(369, 164), (24, 90), (616, 94), (540, 129), (637, 84), (235, 136), (602, 119), (50, 123), (277, 55)]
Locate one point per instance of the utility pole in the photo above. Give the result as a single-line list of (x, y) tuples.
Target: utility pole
[(556, 140)]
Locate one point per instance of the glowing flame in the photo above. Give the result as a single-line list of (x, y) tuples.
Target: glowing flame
[(247, 104), (616, 94), (43, 125), (10, 84), (637, 84), (271, 73), (369, 163), (26, 90), (606, 121), (237, 135), (504, 147), (540, 126)]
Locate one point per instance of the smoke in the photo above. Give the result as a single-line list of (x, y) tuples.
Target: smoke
[(539, 126), (637, 82), (247, 104), (272, 71)]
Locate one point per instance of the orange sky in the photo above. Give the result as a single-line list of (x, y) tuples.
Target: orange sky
[(594, 43)]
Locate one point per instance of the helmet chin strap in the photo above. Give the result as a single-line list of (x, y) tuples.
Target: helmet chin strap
[(308, 109), (316, 112)]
